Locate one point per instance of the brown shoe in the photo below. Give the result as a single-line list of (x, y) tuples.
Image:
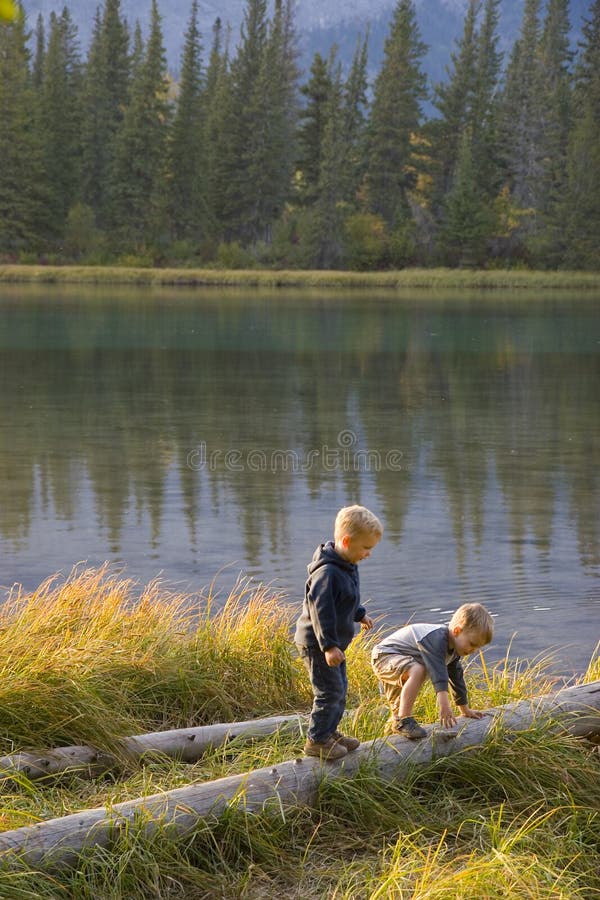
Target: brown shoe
[(350, 743), (328, 749)]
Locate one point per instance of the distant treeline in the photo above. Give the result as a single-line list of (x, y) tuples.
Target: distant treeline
[(247, 161)]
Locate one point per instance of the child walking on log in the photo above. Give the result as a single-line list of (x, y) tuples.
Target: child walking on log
[(326, 625), (405, 659)]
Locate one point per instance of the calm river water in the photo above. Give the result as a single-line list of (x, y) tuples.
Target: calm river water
[(187, 432)]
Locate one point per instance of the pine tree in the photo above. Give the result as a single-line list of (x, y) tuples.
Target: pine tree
[(455, 100), (325, 233), (468, 220), (40, 52), (24, 223), (60, 119), (341, 157), (399, 89), (555, 60), (186, 203), (485, 113), (136, 187), (217, 158), (581, 207), (354, 123), (273, 110), (522, 123), (313, 119), (587, 73), (245, 127), (105, 93), (137, 52)]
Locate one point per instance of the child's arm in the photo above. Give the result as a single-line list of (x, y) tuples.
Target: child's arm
[(321, 598), (433, 648), (457, 680)]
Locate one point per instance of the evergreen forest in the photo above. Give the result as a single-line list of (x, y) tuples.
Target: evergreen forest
[(244, 160)]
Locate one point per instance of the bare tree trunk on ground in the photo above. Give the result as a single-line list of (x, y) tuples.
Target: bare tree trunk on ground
[(292, 783)]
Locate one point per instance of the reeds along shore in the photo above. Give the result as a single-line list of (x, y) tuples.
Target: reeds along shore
[(433, 279), (91, 658)]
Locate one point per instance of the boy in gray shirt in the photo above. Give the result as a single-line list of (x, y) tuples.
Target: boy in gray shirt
[(409, 656)]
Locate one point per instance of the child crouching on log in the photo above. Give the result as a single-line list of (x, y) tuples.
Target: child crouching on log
[(405, 659)]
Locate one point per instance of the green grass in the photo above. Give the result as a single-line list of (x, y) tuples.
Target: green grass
[(82, 661), (87, 658), (405, 278)]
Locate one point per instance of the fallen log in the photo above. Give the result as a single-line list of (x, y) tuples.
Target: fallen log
[(58, 842), (185, 744)]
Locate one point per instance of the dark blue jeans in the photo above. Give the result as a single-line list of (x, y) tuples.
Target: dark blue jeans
[(330, 686)]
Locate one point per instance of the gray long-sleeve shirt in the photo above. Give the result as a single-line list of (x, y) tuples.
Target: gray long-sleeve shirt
[(428, 644)]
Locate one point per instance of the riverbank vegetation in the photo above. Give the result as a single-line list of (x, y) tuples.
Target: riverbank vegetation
[(245, 161), (430, 279), (91, 658)]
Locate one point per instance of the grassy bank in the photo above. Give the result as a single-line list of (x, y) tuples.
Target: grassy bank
[(406, 278), (89, 659)]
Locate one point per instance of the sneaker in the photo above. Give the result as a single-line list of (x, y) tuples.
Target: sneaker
[(409, 728), (350, 743), (328, 749)]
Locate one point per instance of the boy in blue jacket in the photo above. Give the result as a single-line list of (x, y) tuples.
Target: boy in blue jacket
[(326, 625)]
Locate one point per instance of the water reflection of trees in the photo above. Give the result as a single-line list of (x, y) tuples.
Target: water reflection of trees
[(467, 397)]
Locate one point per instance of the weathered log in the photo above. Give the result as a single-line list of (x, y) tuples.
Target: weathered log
[(295, 782), (185, 744)]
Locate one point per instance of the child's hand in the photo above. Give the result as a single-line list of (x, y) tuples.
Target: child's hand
[(366, 623), (471, 713), (447, 717), (334, 657)]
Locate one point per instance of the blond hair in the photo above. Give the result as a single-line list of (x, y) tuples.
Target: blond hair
[(355, 519), (474, 617)]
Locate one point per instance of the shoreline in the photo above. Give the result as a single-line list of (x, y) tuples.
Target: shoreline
[(481, 279)]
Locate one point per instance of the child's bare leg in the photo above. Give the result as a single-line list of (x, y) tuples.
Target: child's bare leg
[(393, 691), (415, 677)]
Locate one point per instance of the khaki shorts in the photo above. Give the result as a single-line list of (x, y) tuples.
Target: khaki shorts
[(392, 666)]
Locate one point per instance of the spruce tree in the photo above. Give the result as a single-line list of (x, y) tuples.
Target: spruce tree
[(555, 60), (468, 219), (587, 72), (581, 207), (485, 113), (60, 119), (40, 52), (469, 177), (455, 100), (354, 123), (137, 51), (105, 93), (273, 110), (325, 232), (313, 119), (521, 113), (217, 158), (24, 223), (246, 126), (396, 112), (186, 201), (137, 182)]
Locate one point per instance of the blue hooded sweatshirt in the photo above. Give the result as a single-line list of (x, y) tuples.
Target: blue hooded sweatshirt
[(331, 601)]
